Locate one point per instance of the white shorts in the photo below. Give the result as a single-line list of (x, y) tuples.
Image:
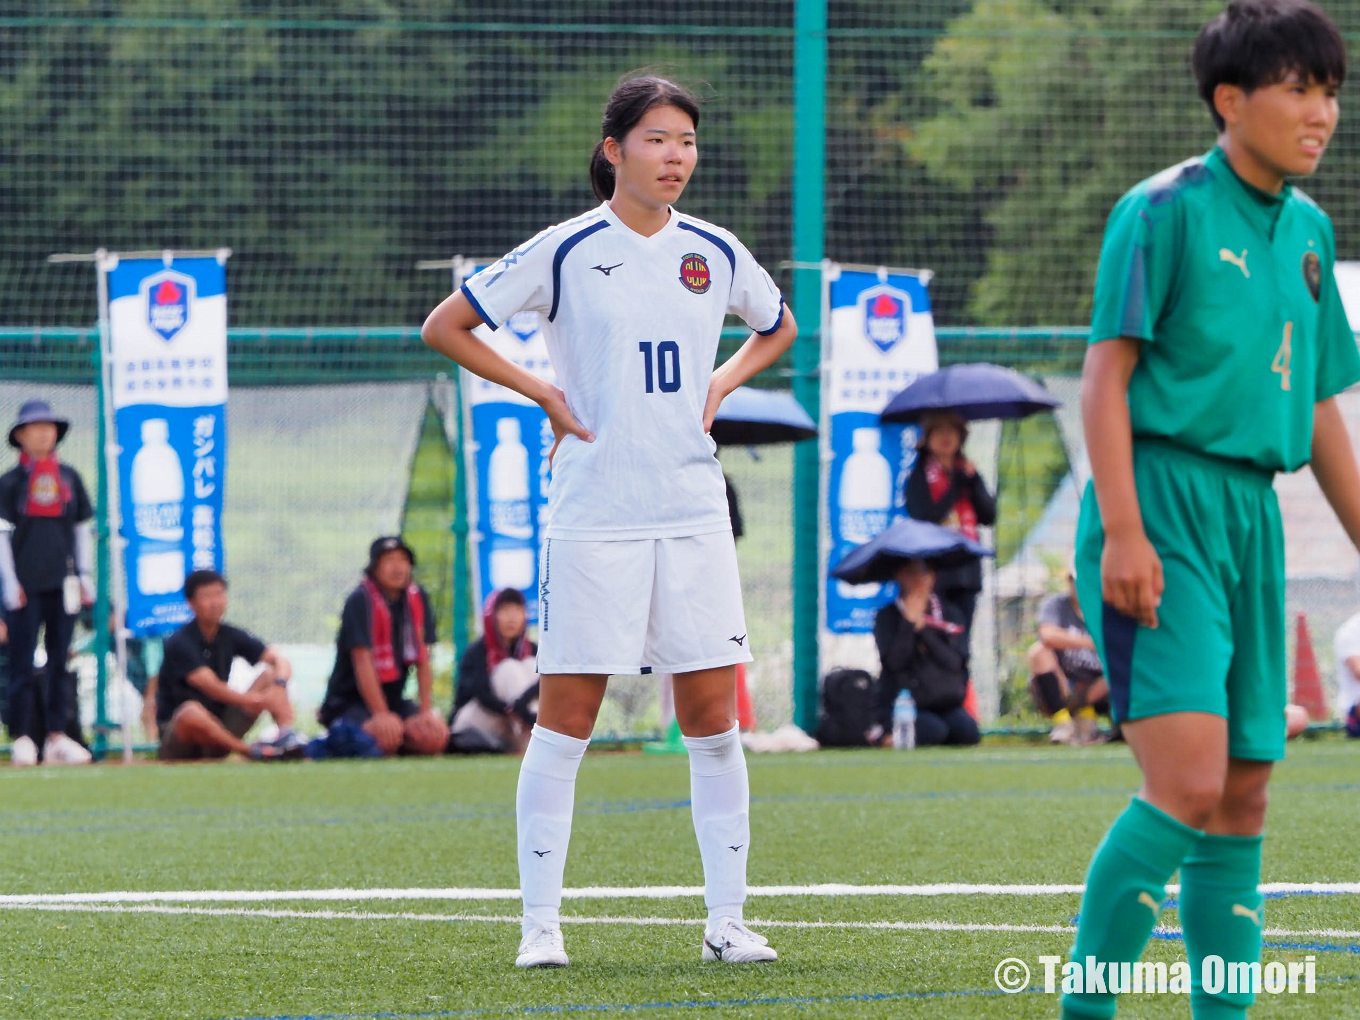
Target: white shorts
[(661, 605)]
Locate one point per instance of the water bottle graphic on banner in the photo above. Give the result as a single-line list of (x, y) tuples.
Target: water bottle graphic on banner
[(865, 498), (511, 529), (158, 511)]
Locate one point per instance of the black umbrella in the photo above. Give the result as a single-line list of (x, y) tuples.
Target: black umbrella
[(973, 392), (882, 556), (749, 417)]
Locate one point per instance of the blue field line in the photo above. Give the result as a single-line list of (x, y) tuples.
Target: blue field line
[(629, 1007), (636, 1007), (1311, 947), (240, 818)]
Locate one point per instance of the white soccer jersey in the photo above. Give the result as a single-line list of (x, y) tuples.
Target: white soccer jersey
[(632, 326)]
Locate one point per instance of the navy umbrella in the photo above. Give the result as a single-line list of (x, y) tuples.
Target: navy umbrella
[(905, 539), (749, 417), (973, 392)]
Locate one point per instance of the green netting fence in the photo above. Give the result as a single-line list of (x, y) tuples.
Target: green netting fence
[(334, 144)]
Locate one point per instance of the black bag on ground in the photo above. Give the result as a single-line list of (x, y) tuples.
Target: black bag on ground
[(849, 709)]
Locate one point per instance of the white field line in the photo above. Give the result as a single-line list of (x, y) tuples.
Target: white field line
[(647, 892), (345, 915)]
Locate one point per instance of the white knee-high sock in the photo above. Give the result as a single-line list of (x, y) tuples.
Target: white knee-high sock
[(543, 806), (720, 797)]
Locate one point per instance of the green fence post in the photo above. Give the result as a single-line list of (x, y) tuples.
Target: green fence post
[(102, 634), (462, 582), (809, 119)]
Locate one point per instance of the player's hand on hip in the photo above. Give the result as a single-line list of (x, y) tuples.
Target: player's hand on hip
[(1131, 577), (563, 422)]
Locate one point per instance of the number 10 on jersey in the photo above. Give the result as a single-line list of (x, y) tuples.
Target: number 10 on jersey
[(662, 371)]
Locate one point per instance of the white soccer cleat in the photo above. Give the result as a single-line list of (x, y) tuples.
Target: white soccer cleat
[(23, 752), (542, 947), (62, 750), (733, 942)]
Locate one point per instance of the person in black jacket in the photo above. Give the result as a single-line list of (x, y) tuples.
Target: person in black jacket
[(495, 700), (46, 575), (923, 650), (945, 488)]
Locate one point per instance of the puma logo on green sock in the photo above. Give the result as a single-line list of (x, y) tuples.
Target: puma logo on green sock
[(1147, 901), (1241, 911)]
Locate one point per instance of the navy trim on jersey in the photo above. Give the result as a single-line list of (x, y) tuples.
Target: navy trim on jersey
[(561, 254), (779, 320), (1120, 632), (477, 307), (726, 248)]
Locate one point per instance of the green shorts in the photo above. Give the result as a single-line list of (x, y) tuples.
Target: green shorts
[(1219, 643)]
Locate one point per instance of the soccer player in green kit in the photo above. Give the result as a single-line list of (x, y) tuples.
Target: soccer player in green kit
[(1218, 345)]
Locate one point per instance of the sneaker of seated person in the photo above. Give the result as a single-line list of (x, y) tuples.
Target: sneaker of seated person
[(1064, 728), (23, 752), (730, 941), (288, 747), (1086, 730), (59, 749)]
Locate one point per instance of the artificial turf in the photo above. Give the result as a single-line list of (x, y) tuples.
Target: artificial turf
[(1005, 815)]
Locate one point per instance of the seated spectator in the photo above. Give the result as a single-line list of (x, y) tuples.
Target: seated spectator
[(945, 488), (496, 695), (926, 654), (198, 714), (386, 628), (1067, 680)]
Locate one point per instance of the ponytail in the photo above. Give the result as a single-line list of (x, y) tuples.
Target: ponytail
[(601, 173)]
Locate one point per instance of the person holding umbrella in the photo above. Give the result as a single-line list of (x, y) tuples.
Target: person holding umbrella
[(46, 574), (921, 642), (923, 648), (944, 487)]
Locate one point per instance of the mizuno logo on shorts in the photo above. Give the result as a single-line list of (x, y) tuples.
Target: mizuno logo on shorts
[(738, 641)]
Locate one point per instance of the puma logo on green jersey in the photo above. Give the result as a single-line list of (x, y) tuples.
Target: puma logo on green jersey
[(1240, 261)]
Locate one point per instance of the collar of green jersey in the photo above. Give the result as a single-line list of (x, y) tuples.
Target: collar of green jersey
[(1261, 208)]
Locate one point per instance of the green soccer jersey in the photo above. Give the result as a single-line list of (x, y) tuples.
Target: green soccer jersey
[(1231, 291)]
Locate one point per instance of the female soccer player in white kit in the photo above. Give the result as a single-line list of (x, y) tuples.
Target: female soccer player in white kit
[(638, 568)]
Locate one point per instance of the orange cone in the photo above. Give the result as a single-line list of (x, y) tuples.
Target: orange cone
[(970, 704), (1307, 679), (746, 712)]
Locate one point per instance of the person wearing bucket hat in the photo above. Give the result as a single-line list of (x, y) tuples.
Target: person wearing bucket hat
[(46, 575), (386, 628)]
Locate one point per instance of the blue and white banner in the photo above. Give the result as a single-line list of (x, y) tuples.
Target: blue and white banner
[(879, 337), (507, 460), (168, 350)]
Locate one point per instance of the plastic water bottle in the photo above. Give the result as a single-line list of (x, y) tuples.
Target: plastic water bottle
[(511, 528), (158, 511), (904, 721), (865, 498)]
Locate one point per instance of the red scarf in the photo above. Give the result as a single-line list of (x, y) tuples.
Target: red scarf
[(962, 516), (496, 652), (380, 627), (48, 491), (935, 617)]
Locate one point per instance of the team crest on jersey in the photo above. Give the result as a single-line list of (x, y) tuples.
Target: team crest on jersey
[(885, 316), (1312, 274), (45, 490), (694, 273), (168, 299)]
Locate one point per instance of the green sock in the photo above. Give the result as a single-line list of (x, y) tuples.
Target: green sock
[(1222, 914), (1124, 891)]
